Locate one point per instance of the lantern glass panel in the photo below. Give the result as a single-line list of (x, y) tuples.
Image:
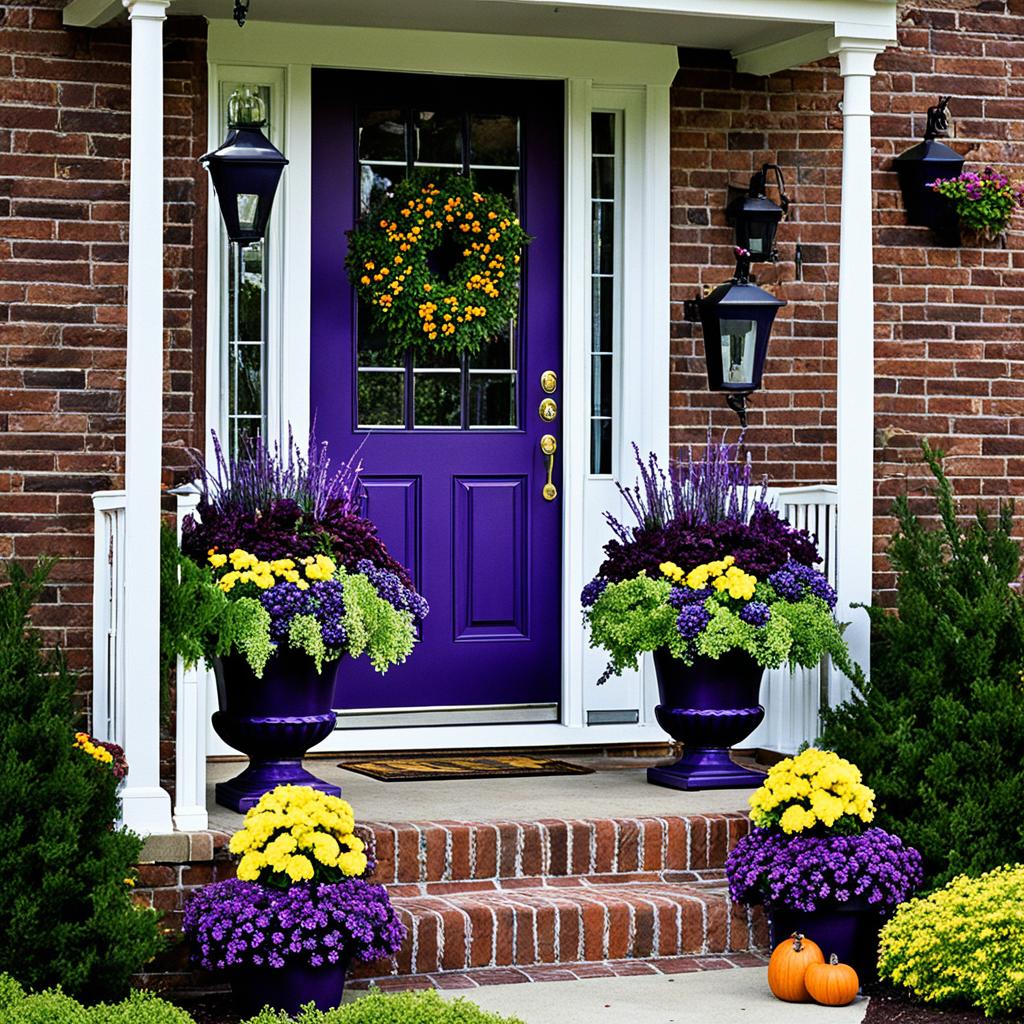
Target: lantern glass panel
[(248, 207), (758, 242), (739, 345)]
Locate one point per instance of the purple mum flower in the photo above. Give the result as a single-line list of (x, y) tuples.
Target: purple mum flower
[(692, 619), (757, 613)]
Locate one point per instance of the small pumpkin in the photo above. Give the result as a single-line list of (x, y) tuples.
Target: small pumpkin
[(832, 984), (789, 963)]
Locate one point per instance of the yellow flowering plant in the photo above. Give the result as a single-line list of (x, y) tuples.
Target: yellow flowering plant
[(389, 264), (817, 789), (298, 834)]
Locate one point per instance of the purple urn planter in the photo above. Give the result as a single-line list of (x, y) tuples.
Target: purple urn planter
[(850, 930), (274, 720), (287, 988), (708, 707)]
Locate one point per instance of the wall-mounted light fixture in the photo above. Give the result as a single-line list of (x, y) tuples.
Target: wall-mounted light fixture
[(756, 217), (924, 163), (736, 319), (246, 169)]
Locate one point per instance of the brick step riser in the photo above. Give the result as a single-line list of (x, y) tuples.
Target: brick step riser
[(443, 852), (591, 926)]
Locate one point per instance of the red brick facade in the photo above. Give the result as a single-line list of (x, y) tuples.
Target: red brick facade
[(64, 146), (949, 349), (948, 339)]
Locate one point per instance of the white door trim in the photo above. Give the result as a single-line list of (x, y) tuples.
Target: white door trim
[(632, 79)]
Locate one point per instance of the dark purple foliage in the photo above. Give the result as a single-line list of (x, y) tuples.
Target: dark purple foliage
[(760, 546), (242, 924), (804, 872), (281, 530)]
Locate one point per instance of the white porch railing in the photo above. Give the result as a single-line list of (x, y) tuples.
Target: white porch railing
[(793, 699), (109, 676)]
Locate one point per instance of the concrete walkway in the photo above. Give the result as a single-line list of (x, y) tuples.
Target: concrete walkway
[(739, 996), (617, 789)]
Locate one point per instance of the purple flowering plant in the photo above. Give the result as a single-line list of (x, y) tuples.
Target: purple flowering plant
[(280, 533), (809, 871), (984, 201), (244, 924), (708, 567)]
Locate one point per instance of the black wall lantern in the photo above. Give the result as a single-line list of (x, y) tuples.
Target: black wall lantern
[(246, 169), (924, 163), (737, 320), (756, 217)]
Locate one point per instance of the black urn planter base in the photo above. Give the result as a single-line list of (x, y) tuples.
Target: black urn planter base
[(708, 707), (274, 720)]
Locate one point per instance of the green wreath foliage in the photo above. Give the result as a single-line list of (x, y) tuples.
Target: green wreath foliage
[(422, 222)]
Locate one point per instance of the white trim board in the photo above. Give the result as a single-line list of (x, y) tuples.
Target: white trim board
[(630, 79)]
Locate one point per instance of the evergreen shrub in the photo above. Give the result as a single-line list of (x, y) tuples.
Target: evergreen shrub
[(962, 943), (66, 916), (424, 1007), (938, 731)]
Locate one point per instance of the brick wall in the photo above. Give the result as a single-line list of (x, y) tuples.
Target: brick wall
[(64, 146), (949, 347)]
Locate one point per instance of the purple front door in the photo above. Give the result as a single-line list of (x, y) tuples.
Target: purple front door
[(455, 474)]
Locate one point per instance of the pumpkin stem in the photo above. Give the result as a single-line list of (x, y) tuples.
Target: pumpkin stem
[(833, 959), (798, 942)]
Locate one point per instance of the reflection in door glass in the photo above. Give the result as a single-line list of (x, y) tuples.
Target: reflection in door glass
[(437, 390)]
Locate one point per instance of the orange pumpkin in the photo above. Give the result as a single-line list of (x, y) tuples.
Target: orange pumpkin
[(832, 984), (788, 965)]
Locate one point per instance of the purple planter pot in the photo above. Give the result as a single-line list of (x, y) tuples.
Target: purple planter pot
[(850, 930), (708, 707), (274, 720), (287, 988)]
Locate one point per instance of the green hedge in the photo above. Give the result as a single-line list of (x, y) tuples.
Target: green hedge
[(963, 943), (53, 1007)]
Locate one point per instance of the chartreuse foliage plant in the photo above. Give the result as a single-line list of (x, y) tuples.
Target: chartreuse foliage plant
[(938, 731), (66, 916), (963, 942), (424, 1007)]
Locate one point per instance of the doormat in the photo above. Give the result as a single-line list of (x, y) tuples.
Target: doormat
[(495, 766)]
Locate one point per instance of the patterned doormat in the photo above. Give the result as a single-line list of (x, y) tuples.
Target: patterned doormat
[(418, 769)]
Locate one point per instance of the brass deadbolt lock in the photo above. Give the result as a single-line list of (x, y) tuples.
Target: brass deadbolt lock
[(548, 381), (548, 410)]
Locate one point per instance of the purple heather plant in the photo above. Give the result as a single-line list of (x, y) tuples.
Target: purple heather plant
[(242, 924), (806, 872)]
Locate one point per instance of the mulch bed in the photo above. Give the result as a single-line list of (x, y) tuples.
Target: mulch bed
[(888, 1007)]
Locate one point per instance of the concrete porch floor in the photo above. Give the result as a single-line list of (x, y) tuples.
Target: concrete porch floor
[(618, 788)]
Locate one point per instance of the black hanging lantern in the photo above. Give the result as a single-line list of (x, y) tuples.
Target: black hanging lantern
[(737, 322), (756, 217), (924, 163), (246, 169)]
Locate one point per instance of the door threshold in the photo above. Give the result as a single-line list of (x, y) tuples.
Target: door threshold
[(469, 714)]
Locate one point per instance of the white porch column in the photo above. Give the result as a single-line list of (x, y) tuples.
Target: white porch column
[(146, 807), (856, 361)]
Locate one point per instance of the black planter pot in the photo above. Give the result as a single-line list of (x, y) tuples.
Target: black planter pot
[(708, 706), (274, 720)]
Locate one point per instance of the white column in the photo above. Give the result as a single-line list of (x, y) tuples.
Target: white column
[(856, 367), (146, 807)]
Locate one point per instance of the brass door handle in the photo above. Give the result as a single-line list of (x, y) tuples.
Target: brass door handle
[(548, 445)]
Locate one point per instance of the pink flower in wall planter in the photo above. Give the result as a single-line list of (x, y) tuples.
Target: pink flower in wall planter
[(984, 202)]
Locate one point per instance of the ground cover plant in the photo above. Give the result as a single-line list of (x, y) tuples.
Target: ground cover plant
[(67, 915), (962, 943), (938, 730), (708, 568)]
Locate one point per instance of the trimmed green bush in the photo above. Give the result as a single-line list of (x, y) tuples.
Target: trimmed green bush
[(54, 1007), (376, 1007), (938, 732), (66, 917), (962, 943)]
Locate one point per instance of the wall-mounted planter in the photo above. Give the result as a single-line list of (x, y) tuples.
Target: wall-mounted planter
[(924, 163)]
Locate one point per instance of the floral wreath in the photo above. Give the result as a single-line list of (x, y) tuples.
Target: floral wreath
[(390, 263)]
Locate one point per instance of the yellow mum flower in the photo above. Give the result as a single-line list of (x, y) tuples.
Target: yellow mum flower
[(299, 868), (249, 867), (217, 560)]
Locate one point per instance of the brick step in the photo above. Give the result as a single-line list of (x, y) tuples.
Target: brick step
[(429, 852), (583, 922)]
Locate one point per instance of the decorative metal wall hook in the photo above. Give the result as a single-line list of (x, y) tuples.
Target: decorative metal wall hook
[(241, 11), (737, 401), (938, 119)]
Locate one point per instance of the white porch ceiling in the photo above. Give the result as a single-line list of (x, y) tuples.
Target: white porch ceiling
[(764, 35)]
